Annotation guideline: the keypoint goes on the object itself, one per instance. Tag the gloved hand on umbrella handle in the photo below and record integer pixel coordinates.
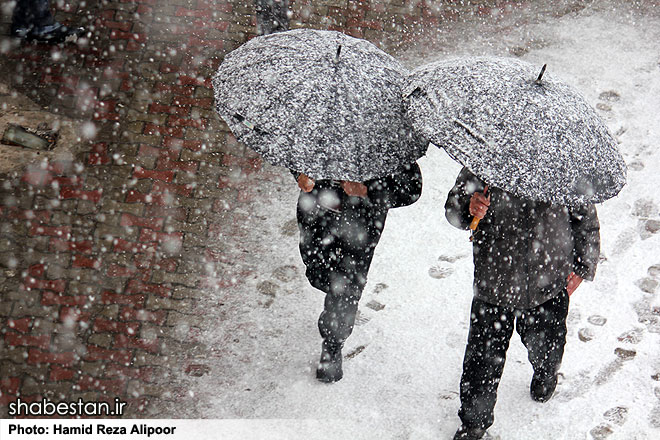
(479, 204)
(305, 182)
(355, 189)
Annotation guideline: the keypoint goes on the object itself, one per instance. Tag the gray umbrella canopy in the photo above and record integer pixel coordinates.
(536, 138)
(318, 102)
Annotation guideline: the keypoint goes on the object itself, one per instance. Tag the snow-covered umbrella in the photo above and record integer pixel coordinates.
(318, 102)
(518, 128)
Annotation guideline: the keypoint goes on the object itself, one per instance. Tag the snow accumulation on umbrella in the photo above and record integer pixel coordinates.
(318, 102)
(538, 139)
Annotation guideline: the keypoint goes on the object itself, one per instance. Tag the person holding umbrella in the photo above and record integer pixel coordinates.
(536, 159)
(328, 107)
(529, 257)
(340, 223)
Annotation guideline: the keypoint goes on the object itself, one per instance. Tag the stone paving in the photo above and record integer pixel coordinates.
(108, 257)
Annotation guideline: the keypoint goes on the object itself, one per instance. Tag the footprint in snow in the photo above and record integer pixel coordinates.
(285, 273)
(574, 386)
(444, 267)
(624, 241)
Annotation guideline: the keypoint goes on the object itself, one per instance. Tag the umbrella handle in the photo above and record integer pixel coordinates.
(475, 221)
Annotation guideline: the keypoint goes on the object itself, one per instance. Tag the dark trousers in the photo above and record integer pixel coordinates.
(542, 331)
(31, 13)
(339, 310)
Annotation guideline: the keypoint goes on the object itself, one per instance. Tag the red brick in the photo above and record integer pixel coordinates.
(41, 357)
(136, 196)
(109, 297)
(49, 298)
(162, 188)
(131, 314)
(58, 373)
(112, 386)
(172, 142)
(115, 270)
(128, 246)
(147, 235)
(57, 245)
(186, 80)
(68, 181)
(136, 286)
(71, 81)
(84, 262)
(10, 384)
(95, 353)
(71, 193)
(53, 231)
(22, 325)
(166, 264)
(123, 26)
(144, 10)
(20, 340)
(150, 345)
(143, 222)
(169, 109)
(189, 167)
(199, 123)
(73, 314)
(116, 34)
(107, 325)
(153, 129)
(55, 285)
(37, 270)
(171, 88)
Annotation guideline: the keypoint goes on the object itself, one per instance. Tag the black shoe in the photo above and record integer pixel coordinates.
(329, 368)
(541, 389)
(465, 433)
(53, 34)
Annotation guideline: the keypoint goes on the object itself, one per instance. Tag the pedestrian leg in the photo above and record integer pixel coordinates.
(490, 331)
(543, 332)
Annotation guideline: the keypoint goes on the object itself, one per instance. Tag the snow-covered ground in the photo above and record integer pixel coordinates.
(404, 358)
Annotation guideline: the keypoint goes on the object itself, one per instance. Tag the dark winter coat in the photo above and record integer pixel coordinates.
(524, 250)
(338, 233)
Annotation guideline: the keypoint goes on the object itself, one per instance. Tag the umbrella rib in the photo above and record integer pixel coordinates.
(470, 132)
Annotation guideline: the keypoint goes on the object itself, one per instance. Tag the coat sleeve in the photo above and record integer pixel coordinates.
(397, 190)
(457, 206)
(586, 241)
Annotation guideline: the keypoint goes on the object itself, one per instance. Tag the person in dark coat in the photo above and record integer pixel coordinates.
(529, 257)
(340, 224)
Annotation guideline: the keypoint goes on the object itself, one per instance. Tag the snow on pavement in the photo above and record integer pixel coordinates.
(404, 358)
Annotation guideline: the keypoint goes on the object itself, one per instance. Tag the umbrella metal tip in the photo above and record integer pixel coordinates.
(538, 80)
